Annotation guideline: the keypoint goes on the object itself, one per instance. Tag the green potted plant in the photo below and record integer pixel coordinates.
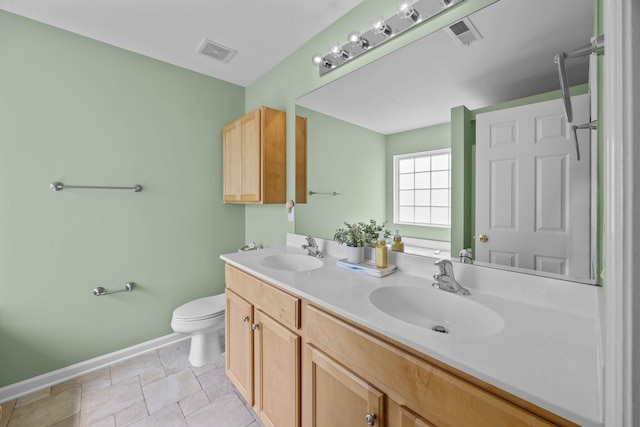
(371, 231)
(353, 236)
(357, 235)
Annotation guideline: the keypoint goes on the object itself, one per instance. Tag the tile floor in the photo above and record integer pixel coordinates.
(158, 388)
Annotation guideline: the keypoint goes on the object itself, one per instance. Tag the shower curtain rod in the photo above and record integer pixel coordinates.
(595, 47)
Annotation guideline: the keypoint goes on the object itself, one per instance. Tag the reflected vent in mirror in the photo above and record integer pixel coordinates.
(216, 51)
(463, 32)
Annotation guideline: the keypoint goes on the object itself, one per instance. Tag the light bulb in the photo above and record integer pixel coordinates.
(356, 38)
(317, 59)
(337, 51)
(378, 26)
(320, 61)
(407, 11)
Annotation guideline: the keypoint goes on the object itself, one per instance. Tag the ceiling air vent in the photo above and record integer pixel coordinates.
(463, 32)
(216, 51)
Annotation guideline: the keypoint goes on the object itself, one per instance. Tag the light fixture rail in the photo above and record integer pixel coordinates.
(410, 14)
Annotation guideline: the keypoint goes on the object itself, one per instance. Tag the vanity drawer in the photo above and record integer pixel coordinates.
(435, 394)
(271, 300)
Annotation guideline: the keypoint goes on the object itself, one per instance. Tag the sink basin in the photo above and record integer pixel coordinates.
(437, 310)
(291, 262)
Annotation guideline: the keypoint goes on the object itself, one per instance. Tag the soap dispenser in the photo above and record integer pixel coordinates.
(397, 244)
(381, 252)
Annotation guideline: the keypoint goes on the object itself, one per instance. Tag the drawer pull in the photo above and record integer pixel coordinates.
(370, 418)
(254, 326)
(245, 318)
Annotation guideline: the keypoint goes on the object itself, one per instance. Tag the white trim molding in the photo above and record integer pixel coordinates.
(23, 388)
(622, 198)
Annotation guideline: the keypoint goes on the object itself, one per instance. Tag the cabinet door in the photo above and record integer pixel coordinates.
(239, 345)
(277, 368)
(231, 162)
(250, 169)
(341, 399)
(409, 419)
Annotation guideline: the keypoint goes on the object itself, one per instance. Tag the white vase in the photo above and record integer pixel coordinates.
(355, 255)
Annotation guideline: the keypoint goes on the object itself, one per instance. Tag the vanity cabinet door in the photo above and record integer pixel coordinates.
(339, 398)
(239, 344)
(277, 370)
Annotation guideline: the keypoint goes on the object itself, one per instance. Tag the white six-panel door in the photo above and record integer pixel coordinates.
(532, 194)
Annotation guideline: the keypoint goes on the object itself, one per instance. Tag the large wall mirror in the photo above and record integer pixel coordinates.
(403, 103)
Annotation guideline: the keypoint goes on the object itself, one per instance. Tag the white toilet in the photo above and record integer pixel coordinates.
(204, 319)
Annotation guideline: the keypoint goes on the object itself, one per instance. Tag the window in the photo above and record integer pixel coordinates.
(422, 188)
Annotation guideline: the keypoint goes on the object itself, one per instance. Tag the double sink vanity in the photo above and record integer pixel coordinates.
(311, 344)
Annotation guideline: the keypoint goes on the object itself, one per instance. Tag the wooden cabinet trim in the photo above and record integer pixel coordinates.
(280, 305)
(408, 418)
(301, 159)
(274, 155)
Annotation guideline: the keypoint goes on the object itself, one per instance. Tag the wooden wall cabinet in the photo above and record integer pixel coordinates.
(255, 158)
(263, 348)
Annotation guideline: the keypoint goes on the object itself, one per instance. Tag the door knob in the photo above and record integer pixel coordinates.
(483, 238)
(370, 418)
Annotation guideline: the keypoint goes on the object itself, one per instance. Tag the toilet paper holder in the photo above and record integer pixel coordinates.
(102, 291)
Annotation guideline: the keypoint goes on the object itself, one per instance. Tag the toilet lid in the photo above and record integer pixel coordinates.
(201, 308)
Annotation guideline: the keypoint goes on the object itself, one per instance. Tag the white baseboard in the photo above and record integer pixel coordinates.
(22, 388)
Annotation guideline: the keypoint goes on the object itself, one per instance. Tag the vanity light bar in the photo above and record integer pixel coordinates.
(409, 16)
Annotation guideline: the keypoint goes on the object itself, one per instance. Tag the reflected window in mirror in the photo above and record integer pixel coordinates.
(422, 188)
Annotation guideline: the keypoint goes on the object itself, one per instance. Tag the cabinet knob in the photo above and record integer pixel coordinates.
(370, 418)
(254, 326)
(245, 318)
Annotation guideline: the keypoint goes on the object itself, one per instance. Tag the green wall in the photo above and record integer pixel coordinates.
(86, 113)
(296, 76)
(347, 159)
(423, 139)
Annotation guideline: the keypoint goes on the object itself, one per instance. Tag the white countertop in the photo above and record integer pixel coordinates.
(548, 352)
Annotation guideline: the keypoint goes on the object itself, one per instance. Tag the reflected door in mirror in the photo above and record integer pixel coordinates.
(532, 194)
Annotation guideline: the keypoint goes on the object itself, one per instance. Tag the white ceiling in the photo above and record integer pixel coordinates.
(263, 32)
(411, 88)
(418, 85)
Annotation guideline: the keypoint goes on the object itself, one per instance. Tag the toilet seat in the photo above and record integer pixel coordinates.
(201, 309)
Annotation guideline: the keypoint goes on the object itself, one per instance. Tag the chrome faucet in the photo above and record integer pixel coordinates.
(445, 280)
(466, 256)
(312, 248)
